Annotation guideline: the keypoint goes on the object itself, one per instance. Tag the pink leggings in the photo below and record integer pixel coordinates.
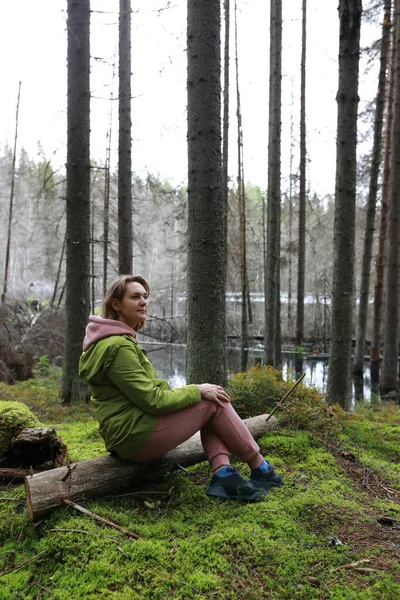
(222, 433)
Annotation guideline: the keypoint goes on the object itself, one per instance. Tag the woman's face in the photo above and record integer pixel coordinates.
(132, 309)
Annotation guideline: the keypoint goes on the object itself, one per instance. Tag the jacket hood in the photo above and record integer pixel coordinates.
(100, 328)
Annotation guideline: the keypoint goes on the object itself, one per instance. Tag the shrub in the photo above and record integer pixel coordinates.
(259, 390)
(43, 367)
(256, 390)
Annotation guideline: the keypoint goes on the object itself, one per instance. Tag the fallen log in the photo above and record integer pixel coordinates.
(107, 474)
(14, 475)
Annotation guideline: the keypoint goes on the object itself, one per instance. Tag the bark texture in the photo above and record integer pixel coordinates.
(358, 365)
(272, 263)
(125, 142)
(339, 378)
(206, 241)
(390, 361)
(105, 475)
(77, 303)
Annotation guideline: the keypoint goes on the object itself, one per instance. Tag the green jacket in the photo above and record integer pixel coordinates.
(126, 393)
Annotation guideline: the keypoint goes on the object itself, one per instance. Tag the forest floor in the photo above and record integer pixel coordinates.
(331, 532)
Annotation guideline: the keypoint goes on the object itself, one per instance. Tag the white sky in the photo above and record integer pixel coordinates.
(33, 46)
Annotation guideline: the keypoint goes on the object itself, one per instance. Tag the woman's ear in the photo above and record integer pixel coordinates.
(115, 304)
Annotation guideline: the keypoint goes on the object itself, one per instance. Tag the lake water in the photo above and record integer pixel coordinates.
(169, 360)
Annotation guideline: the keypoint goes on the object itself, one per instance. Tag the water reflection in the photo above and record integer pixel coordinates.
(170, 363)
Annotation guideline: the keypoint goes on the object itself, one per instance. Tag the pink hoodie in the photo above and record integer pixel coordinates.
(100, 328)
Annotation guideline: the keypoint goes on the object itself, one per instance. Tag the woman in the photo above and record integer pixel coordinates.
(141, 417)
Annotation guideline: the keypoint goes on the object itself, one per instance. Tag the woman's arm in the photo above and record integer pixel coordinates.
(130, 377)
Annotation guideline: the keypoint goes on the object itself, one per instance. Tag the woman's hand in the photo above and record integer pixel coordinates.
(213, 393)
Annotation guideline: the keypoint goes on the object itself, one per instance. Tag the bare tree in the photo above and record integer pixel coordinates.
(107, 178)
(359, 352)
(292, 176)
(125, 142)
(244, 336)
(345, 194)
(77, 302)
(206, 254)
(301, 268)
(10, 209)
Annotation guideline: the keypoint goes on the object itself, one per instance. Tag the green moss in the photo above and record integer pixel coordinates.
(14, 416)
(374, 437)
(82, 439)
(195, 547)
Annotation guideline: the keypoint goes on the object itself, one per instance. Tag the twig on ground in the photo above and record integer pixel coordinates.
(23, 564)
(70, 531)
(93, 515)
(169, 497)
(183, 468)
(364, 570)
(19, 500)
(138, 494)
(354, 565)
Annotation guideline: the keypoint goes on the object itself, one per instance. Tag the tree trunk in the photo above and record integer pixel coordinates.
(339, 379)
(359, 352)
(271, 279)
(125, 142)
(206, 252)
(225, 137)
(389, 380)
(105, 475)
(381, 260)
(301, 269)
(78, 198)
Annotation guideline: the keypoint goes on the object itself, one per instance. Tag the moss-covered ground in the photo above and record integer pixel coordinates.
(331, 532)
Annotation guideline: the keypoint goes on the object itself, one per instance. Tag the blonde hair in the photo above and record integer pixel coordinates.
(116, 290)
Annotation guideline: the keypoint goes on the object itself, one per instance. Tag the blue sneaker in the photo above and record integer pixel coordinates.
(265, 480)
(233, 486)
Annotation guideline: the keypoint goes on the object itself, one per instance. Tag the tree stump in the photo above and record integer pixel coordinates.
(36, 446)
